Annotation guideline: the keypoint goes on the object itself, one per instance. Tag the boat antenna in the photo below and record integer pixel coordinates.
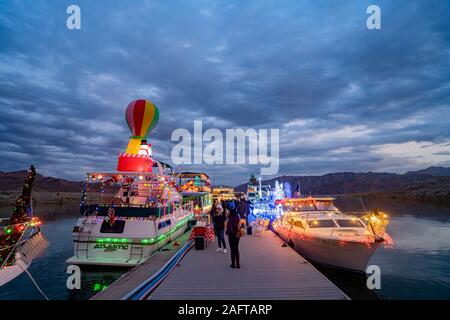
(362, 203)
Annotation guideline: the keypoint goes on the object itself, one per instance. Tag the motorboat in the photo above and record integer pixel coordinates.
(130, 216)
(21, 244)
(323, 234)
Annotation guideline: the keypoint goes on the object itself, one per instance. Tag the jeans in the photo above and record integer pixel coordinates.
(221, 238)
(234, 249)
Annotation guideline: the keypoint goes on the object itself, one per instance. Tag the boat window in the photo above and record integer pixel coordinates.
(300, 207)
(325, 206)
(164, 224)
(345, 223)
(321, 224)
(295, 222)
(117, 227)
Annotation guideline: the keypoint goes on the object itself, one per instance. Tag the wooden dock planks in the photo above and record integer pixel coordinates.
(268, 271)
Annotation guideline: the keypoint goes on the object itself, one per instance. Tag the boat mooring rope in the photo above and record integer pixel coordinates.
(35, 283)
(149, 285)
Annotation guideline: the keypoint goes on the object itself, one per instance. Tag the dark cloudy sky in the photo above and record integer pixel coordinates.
(345, 98)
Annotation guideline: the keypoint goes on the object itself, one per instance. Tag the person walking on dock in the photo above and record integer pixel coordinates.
(219, 220)
(234, 235)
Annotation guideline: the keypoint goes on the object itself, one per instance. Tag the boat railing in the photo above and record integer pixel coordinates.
(332, 231)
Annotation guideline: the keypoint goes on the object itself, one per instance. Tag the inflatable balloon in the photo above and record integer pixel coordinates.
(141, 116)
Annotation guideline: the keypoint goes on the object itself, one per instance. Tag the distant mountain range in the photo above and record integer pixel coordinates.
(434, 171)
(12, 181)
(436, 191)
(426, 182)
(351, 182)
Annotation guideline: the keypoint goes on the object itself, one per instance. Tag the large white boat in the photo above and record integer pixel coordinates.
(131, 216)
(323, 234)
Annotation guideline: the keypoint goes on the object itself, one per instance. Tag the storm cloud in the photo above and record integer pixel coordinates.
(345, 98)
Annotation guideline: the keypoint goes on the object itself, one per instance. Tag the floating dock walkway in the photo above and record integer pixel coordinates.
(268, 271)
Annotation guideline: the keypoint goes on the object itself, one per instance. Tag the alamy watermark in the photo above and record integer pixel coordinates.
(373, 22)
(373, 277)
(213, 147)
(74, 280)
(73, 21)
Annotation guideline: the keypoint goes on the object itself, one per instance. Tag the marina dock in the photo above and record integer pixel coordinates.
(269, 270)
(137, 275)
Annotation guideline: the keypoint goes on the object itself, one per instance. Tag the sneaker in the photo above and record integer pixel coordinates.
(219, 249)
(233, 266)
(238, 266)
(224, 250)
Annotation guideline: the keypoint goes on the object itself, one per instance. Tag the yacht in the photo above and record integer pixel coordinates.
(129, 214)
(323, 234)
(129, 217)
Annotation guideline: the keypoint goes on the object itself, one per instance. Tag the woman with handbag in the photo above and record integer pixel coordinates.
(234, 233)
(219, 219)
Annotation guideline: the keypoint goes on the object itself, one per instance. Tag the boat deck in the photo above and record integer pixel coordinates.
(269, 270)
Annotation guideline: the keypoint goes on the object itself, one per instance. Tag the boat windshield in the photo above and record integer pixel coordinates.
(309, 206)
(347, 223)
(321, 223)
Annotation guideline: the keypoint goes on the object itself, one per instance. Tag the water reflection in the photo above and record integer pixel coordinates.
(94, 280)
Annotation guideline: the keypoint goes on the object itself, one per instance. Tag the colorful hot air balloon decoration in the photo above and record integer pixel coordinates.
(142, 116)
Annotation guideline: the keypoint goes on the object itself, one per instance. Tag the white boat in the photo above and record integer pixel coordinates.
(31, 244)
(124, 229)
(323, 234)
(196, 186)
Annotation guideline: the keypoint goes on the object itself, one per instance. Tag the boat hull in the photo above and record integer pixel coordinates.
(353, 256)
(91, 252)
(32, 248)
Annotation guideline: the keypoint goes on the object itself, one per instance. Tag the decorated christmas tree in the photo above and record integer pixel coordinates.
(22, 209)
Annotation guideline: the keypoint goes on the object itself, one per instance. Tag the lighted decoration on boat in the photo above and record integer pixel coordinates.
(287, 190)
(262, 199)
(279, 191)
(21, 240)
(142, 116)
(377, 221)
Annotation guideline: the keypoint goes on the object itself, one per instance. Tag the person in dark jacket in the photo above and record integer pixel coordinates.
(242, 208)
(233, 238)
(219, 218)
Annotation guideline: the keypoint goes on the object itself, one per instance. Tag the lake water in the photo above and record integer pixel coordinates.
(415, 268)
